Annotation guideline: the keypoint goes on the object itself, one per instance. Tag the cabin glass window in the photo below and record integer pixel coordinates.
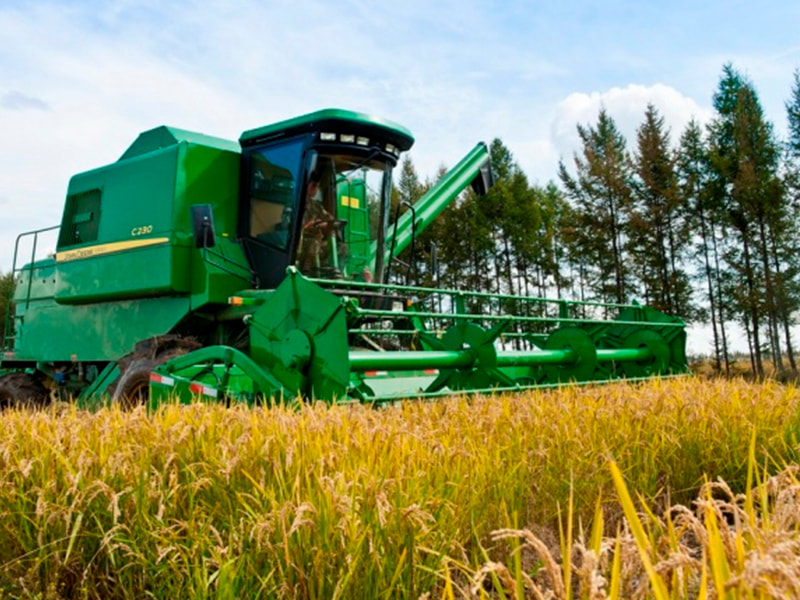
(274, 177)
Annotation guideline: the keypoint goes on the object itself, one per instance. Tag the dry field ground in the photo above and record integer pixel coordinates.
(686, 488)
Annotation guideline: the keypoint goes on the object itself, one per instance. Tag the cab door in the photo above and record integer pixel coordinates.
(271, 184)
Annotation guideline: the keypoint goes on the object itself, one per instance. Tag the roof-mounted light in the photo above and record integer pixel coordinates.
(327, 137)
(347, 138)
(362, 141)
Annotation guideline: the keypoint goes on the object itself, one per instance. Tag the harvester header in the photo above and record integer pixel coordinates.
(267, 269)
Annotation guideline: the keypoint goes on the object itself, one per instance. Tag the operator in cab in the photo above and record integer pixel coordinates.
(322, 250)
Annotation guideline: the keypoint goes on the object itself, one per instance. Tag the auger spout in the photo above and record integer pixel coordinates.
(473, 169)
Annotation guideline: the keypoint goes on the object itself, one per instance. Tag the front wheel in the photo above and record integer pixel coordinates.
(133, 387)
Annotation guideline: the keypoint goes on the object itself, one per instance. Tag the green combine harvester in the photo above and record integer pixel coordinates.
(203, 269)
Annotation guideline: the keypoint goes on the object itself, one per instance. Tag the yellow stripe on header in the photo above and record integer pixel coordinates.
(99, 249)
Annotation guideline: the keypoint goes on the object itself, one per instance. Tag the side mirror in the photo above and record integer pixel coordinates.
(203, 226)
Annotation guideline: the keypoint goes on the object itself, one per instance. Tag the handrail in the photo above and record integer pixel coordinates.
(8, 334)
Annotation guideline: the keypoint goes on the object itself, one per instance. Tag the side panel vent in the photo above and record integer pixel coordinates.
(81, 218)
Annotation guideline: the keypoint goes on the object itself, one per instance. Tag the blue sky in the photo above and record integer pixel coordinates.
(79, 79)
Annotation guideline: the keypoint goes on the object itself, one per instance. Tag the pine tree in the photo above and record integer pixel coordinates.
(409, 187)
(695, 192)
(758, 190)
(787, 264)
(601, 194)
(412, 264)
(793, 114)
(550, 251)
(792, 147)
(737, 251)
(744, 159)
(498, 206)
(657, 224)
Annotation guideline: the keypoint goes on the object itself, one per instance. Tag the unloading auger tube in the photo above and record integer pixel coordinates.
(314, 338)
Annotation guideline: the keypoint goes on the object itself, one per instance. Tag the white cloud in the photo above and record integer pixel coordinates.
(15, 100)
(541, 136)
(627, 107)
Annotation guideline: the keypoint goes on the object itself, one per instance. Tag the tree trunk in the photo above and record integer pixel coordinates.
(752, 307)
(782, 310)
(772, 313)
(710, 284)
(720, 305)
(750, 348)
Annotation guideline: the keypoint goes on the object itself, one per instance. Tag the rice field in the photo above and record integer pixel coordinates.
(684, 488)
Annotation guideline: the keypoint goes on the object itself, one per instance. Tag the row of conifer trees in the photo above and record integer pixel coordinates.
(701, 223)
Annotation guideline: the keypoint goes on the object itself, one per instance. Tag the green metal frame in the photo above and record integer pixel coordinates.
(302, 334)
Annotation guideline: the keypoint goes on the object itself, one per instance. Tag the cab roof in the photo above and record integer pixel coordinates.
(332, 120)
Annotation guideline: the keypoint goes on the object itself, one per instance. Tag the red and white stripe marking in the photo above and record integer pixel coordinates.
(204, 390)
(383, 373)
(161, 379)
(195, 388)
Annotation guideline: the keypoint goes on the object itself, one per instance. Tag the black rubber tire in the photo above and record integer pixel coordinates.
(132, 389)
(133, 386)
(22, 389)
